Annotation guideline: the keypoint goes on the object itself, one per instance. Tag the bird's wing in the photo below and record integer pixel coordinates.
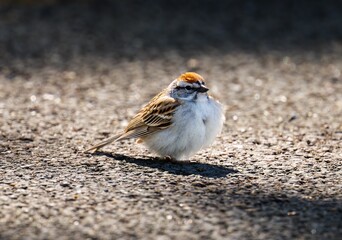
(156, 115)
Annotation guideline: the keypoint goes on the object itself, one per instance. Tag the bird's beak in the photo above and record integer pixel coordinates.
(202, 89)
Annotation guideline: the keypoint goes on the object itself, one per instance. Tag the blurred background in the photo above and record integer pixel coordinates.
(58, 32)
(268, 61)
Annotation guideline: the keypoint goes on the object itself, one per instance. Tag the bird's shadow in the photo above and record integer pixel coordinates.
(175, 167)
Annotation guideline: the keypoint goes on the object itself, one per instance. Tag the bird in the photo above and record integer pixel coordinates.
(178, 122)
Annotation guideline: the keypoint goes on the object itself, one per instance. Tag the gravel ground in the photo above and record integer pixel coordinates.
(72, 74)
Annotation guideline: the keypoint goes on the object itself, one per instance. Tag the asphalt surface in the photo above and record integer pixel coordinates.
(72, 74)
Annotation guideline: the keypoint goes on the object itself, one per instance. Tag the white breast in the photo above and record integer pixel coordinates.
(195, 125)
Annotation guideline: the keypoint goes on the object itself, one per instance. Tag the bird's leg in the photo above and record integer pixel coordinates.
(170, 159)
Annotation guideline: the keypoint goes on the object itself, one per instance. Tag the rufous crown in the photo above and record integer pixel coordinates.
(190, 77)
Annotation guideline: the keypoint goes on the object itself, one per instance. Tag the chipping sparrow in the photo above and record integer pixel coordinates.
(177, 122)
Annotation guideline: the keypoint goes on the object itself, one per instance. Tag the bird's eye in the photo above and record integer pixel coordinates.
(188, 88)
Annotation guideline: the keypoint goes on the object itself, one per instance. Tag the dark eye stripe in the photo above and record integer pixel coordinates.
(187, 87)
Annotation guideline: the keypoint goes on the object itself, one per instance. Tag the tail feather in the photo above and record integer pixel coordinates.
(103, 143)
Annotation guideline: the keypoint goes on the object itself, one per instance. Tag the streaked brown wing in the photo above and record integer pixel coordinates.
(160, 113)
(156, 115)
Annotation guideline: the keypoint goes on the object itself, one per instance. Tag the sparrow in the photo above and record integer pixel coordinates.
(178, 122)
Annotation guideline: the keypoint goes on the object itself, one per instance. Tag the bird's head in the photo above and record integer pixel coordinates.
(188, 86)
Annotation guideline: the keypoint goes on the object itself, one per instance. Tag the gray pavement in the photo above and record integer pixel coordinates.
(74, 73)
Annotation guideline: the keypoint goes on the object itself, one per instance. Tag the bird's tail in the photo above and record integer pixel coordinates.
(103, 143)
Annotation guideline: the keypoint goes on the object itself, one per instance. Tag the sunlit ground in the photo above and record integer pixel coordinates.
(72, 74)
